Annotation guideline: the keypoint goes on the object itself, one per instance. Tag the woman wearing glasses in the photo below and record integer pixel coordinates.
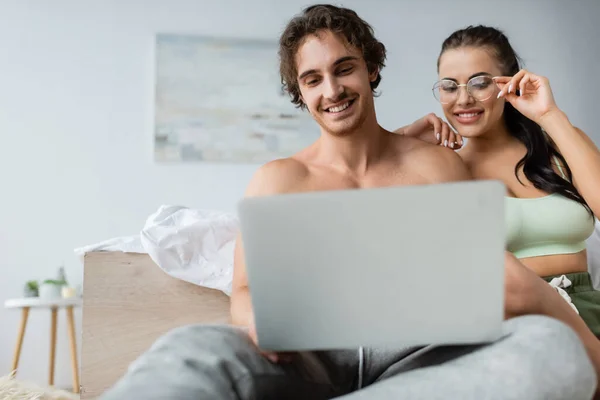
(517, 134)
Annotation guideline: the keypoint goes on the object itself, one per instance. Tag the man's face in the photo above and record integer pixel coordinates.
(334, 83)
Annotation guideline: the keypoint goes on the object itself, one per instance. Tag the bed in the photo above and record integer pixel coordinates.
(128, 302)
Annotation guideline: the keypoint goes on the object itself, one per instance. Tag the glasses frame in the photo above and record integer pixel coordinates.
(466, 86)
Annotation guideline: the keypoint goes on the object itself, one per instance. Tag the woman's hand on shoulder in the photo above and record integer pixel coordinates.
(433, 129)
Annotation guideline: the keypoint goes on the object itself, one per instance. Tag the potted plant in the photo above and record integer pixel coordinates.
(31, 289)
(51, 289)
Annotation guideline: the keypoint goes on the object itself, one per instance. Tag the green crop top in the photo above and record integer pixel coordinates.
(546, 225)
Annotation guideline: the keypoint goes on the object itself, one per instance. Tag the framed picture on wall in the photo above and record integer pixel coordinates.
(220, 100)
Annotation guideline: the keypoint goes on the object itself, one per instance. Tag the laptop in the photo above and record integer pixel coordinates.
(386, 267)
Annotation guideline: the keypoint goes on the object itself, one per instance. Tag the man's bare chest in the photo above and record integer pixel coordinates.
(383, 178)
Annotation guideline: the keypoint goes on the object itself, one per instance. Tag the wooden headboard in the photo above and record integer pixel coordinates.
(128, 302)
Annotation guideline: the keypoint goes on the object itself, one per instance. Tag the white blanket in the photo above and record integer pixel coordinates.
(193, 245)
(593, 256)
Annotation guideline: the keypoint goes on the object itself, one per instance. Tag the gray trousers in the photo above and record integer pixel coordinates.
(537, 358)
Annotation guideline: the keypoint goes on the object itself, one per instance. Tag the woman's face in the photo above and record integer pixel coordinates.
(474, 109)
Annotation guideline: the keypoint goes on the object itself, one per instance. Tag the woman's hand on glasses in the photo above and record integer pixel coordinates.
(433, 129)
(529, 93)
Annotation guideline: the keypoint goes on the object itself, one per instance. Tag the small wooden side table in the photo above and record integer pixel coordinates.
(25, 304)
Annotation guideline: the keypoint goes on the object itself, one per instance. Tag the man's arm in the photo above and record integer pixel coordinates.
(240, 304)
(276, 177)
(454, 168)
(443, 165)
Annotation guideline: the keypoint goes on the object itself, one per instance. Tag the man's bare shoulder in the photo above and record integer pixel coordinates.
(278, 176)
(436, 163)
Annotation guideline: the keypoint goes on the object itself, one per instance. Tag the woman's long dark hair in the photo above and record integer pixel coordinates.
(537, 163)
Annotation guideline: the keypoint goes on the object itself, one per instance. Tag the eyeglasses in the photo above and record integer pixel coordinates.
(480, 88)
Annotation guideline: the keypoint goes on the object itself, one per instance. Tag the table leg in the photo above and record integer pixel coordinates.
(73, 341)
(17, 355)
(52, 346)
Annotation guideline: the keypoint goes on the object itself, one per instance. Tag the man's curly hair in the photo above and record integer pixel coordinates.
(341, 21)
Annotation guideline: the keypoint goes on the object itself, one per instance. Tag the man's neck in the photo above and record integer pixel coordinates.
(356, 152)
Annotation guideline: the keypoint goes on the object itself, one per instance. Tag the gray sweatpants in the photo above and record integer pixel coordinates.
(537, 358)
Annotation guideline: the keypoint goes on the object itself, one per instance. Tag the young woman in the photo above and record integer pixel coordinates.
(517, 134)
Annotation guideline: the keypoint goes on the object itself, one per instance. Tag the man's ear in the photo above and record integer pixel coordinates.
(373, 74)
(304, 103)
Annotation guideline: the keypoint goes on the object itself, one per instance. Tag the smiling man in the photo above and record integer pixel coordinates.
(330, 65)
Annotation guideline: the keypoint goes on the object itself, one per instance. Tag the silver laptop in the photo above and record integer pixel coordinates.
(389, 267)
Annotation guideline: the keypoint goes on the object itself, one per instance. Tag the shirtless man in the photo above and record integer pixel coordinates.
(330, 64)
